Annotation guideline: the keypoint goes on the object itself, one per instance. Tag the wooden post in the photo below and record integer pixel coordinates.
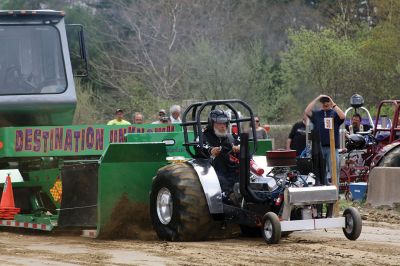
(329, 124)
(333, 167)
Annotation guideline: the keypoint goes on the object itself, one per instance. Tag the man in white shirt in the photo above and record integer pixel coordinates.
(162, 117)
(175, 112)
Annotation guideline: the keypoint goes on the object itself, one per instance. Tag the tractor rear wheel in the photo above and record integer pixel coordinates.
(391, 159)
(178, 207)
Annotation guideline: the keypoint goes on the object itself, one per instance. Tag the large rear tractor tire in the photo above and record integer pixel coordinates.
(353, 225)
(178, 207)
(391, 159)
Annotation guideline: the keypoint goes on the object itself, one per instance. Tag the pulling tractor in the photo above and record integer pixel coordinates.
(98, 178)
(186, 197)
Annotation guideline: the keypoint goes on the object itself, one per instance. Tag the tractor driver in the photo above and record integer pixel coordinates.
(356, 125)
(221, 148)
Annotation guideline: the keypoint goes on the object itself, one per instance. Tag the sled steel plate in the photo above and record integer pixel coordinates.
(313, 224)
(311, 195)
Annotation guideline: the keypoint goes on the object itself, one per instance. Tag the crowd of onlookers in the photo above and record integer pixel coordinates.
(138, 118)
(296, 140)
(174, 116)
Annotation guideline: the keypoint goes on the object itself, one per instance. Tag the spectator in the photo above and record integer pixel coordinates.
(138, 118)
(328, 109)
(119, 119)
(267, 128)
(261, 133)
(165, 120)
(297, 137)
(356, 125)
(175, 112)
(162, 117)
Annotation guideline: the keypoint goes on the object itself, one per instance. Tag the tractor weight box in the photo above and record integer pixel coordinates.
(281, 158)
(358, 191)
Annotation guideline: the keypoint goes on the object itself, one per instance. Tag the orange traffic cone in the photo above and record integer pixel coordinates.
(7, 206)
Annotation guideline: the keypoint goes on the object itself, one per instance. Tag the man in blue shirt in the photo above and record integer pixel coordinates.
(328, 109)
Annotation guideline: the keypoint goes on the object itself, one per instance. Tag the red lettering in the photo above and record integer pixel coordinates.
(83, 140)
(28, 139)
(51, 139)
(99, 138)
(45, 136)
(58, 138)
(77, 135)
(68, 140)
(115, 137)
(89, 138)
(19, 140)
(36, 139)
(121, 135)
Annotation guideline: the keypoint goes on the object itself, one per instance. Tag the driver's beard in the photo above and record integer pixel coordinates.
(221, 133)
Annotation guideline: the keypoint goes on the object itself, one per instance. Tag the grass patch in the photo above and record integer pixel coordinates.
(344, 204)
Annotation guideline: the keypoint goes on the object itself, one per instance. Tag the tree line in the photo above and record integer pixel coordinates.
(275, 55)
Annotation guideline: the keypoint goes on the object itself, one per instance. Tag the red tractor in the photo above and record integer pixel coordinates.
(379, 146)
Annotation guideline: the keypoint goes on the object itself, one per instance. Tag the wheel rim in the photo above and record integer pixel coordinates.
(164, 206)
(268, 229)
(349, 223)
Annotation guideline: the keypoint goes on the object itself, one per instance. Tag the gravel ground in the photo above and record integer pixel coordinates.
(379, 244)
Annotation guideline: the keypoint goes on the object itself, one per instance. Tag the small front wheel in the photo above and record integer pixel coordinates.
(271, 229)
(353, 224)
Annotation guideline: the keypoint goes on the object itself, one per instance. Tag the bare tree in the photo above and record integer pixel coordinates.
(142, 36)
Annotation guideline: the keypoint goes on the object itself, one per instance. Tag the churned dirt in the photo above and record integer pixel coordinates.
(379, 244)
(381, 214)
(129, 220)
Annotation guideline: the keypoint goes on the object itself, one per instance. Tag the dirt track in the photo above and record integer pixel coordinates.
(379, 244)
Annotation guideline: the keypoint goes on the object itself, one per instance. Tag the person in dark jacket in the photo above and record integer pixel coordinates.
(328, 109)
(297, 138)
(220, 147)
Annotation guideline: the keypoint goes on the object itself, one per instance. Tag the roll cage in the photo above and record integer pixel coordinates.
(191, 121)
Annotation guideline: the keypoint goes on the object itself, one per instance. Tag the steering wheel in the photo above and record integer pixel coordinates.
(54, 81)
(18, 82)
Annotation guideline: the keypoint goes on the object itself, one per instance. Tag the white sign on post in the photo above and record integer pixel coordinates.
(328, 122)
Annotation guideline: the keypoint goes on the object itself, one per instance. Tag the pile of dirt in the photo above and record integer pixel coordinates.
(129, 220)
(384, 214)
